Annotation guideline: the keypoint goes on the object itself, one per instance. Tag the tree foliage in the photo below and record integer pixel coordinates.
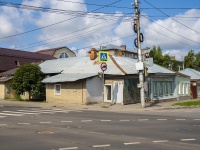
(27, 78)
(192, 60)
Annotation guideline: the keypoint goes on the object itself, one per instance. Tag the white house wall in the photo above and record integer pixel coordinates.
(94, 89)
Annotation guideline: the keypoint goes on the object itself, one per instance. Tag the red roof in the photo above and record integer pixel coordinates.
(9, 57)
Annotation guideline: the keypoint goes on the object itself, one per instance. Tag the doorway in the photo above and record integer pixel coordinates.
(108, 93)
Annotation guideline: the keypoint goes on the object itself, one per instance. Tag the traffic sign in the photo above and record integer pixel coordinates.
(103, 66)
(103, 56)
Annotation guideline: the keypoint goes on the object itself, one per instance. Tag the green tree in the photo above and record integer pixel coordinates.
(156, 54)
(197, 61)
(28, 78)
(189, 59)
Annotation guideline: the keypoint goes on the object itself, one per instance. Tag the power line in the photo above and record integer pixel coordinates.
(94, 4)
(171, 31)
(170, 8)
(64, 39)
(56, 22)
(172, 18)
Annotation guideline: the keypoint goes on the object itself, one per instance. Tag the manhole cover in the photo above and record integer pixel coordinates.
(46, 132)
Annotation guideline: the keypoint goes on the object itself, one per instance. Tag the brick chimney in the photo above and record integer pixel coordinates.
(93, 54)
(123, 47)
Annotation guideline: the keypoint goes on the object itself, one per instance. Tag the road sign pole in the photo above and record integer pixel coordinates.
(103, 87)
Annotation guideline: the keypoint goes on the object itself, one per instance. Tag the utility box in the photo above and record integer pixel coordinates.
(139, 66)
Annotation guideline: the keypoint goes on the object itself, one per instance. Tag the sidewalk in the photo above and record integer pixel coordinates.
(96, 107)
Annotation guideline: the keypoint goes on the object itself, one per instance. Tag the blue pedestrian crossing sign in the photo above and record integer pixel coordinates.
(103, 56)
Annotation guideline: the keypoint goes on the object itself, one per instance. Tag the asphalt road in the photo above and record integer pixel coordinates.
(40, 129)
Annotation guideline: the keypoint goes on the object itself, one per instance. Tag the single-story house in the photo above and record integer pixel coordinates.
(76, 80)
(194, 81)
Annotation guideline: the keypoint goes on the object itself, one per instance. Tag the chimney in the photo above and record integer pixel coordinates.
(93, 54)
(123, 47)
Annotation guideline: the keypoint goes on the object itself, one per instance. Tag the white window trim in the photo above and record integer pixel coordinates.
(105, 93)
(55, 92)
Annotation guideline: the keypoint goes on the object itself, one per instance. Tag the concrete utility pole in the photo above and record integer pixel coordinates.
(137, 43)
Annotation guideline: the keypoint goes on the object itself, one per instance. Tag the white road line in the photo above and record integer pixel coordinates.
(66, 121)
(160, 141)
(2, 116)
(132, 143)
(161, 119)
(86, 120)
(105, 145)
(105, 120)
(143, 119)
(68, 148)
(3, 124)
(196, 119)
(23, 123)
(124, 120)
(8, 114)
(180, 119)
(14, 112)
(187, 139)
(46, 122)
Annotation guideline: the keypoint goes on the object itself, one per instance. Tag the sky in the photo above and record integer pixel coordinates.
(174, 25)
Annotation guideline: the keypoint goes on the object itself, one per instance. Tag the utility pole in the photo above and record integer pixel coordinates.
(137, 43)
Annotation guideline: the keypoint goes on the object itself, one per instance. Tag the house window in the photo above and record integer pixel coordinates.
(154, 89)
(63, 55)
(57, 89)
(187, 88)
(183, 88)
(179, 88)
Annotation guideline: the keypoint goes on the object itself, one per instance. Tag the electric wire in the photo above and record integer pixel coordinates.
(36, 29)
(172, 31)
(172, 18)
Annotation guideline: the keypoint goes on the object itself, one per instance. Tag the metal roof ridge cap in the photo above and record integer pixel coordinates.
(117, 65)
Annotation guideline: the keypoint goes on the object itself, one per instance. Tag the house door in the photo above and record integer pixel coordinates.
(194, 90)
(108, 93)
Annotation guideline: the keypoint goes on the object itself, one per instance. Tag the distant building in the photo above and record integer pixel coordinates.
(118, 51)
(11, 58)
(59, 52)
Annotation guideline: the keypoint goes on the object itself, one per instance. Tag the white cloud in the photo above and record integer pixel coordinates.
(179, 54)
(11, 22)
(166, 32)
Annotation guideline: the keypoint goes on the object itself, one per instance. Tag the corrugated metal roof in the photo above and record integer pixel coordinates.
(194, 74)
(109, 46)
(63, 77)
(76, 68)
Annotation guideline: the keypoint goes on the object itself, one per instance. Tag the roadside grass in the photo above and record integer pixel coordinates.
(189, 103)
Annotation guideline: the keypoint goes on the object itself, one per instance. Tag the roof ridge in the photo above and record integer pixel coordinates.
(116, 64)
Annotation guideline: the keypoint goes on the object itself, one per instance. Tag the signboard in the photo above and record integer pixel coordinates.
(103, 66)
(103, 56)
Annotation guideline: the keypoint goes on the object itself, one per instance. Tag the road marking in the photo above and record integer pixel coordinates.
(132, 143)
(3, 124)
(11, 114)
(161, 119)
(86, 120)
(46, 122)
(187, 139)
(105, 120)
(2, 116)
(124, 120)
(180, 119)
(68, 148)
(14, 112)
(160, 141)
(66, 121)
(105, 145)
(143, 119)
(23, 123)
(196, 119)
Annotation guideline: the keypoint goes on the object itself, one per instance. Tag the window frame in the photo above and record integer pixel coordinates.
(55, 89)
